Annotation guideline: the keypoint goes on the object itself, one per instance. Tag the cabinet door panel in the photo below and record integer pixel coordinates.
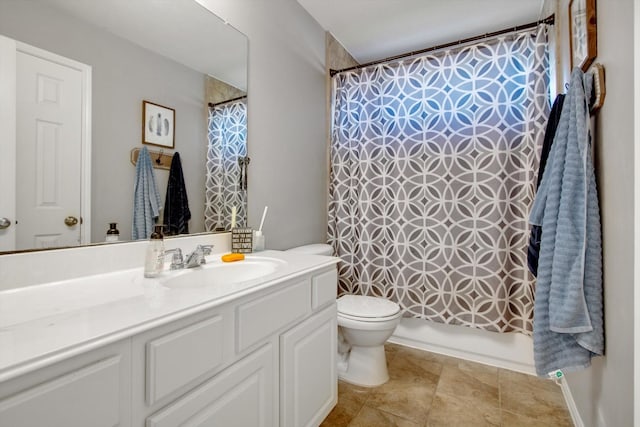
(324, 288)
(86, 397)
(308, 381)
(260, 318)
(241, 395)
(182, 356)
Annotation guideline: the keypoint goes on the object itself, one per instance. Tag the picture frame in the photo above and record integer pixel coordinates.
(582, 33)
(158, 125)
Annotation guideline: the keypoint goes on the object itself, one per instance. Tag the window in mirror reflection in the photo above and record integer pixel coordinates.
(226, 165)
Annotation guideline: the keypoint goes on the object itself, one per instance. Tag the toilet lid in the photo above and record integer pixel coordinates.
(366, 306)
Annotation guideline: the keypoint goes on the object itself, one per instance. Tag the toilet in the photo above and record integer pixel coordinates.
(364, 325)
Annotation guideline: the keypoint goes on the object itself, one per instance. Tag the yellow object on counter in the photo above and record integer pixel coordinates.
(232, 257)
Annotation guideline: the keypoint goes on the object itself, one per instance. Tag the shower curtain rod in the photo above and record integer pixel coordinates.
(550, 20)
(211, 104)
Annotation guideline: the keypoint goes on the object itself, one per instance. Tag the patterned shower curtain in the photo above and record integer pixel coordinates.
(433, 163)
(227, 143)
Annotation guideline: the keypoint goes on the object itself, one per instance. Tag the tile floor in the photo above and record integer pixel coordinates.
(430, 390)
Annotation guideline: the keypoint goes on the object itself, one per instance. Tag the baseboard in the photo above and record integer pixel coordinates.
(571, 404)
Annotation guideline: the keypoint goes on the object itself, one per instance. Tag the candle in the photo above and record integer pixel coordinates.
(233, 217)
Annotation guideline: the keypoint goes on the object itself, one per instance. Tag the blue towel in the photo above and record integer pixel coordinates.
(176, 204)
(568, 321)
(146, 198)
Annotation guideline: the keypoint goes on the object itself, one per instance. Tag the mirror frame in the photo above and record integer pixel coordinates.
(582, 33)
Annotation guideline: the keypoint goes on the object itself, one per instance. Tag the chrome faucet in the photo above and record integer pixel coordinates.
(177, 262)
(196, 258)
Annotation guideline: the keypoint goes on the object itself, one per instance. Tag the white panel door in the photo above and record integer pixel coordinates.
(7, 143)
(48, 152)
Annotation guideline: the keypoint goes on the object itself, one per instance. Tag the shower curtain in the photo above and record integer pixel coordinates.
(227, 143)
(433, 164)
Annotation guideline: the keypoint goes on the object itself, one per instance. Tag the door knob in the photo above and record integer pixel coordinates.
(70, 221)
(4, 223)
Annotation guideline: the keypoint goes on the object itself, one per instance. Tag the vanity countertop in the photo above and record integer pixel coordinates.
(43, 324)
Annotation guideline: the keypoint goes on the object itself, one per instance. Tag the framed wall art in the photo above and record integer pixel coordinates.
(158, 125)
(582, 33)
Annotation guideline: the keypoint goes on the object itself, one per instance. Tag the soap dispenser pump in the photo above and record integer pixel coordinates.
(154, 260)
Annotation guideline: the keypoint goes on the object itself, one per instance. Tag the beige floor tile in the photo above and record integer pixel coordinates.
(372, 417)
(338, 417)
(449, 392)
(407, 399)
(471, 382)
(414, 366)
(531, 396)
(390, 351)
(450, 411)
(412, 384)
(357, 392)
(351, 399)
(433, 357)
(516, 420)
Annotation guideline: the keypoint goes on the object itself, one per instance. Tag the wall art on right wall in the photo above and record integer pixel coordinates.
(582, 33)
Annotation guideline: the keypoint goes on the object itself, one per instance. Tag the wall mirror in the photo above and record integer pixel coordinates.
(583, 33)
(174, 53)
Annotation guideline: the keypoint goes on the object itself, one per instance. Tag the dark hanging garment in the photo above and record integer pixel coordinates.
(176, 205)
(533, 252)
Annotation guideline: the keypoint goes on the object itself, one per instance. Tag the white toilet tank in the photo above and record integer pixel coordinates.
(314, 249)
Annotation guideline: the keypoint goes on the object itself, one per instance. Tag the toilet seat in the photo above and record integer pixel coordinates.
(368, 319)
(367, 308)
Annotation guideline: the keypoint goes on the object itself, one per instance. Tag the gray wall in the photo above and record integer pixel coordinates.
(286, 108)
(286, 144)
(123, 75)
(604, 393)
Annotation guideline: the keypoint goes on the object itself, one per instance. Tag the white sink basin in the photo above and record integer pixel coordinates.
(221, 273)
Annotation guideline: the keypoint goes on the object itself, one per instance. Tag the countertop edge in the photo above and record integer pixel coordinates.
(13, 371)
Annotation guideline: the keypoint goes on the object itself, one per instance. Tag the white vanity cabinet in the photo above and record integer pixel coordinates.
(267, 359)
(264, 359)
(93, 389)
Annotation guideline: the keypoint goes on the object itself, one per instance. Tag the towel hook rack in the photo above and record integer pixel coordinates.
(599, 88)
(162, 159)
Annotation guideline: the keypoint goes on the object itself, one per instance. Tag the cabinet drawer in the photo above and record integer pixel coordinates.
(262, 317)
(324, 289)
(89, 396)
(241, 395)
(179, 357)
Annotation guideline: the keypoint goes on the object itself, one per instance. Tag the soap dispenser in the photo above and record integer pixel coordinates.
(113, 234)
(154, 260)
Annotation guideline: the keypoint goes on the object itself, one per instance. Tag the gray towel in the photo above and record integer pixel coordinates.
(568, 321)
(146, 198)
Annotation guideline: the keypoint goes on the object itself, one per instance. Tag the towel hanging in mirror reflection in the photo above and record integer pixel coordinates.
(243, 162)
